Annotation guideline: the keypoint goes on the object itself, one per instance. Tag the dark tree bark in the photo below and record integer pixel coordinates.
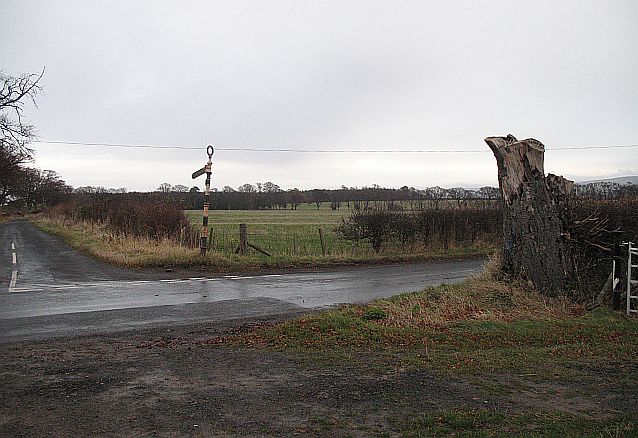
(536, 216)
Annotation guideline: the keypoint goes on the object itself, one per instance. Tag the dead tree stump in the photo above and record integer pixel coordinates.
(536, 216)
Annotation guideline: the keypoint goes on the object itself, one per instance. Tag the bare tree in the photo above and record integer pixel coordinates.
(180, 188)
(165, 188)
(246, 188)
(15, 132)
(436, 194)
(295, 197)
(318, 196)
(41, 188)
(248, 191)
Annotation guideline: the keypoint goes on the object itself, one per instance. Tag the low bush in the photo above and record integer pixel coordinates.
(151, 216)
(431, 228)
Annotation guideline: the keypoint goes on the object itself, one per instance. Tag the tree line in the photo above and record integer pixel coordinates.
(21, 184)
(269, 196)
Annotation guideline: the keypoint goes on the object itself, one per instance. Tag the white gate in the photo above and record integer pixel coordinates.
(632, 282)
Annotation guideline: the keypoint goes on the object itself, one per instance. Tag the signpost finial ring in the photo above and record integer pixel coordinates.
(210, 151)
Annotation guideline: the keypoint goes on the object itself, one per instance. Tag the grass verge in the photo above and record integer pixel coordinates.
(481, 326)
(139, 253)
(505, 339)
(8, 217)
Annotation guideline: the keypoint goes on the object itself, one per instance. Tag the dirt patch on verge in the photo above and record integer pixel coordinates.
(171, 383)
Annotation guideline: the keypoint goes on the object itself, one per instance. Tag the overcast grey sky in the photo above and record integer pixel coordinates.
(328, 75)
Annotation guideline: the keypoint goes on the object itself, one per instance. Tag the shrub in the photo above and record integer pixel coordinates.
(373, 226)
(150, 216)
(444, 227)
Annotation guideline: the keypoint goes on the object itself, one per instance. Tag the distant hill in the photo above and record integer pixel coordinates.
(619, 180)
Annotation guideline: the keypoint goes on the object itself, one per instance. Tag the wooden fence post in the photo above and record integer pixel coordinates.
(324, 250)
(243, 239)
(210, 242)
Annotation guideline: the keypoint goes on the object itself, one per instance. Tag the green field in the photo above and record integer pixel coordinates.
(281, 232)
(295, 233)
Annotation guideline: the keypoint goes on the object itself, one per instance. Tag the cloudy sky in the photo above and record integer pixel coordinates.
(355, 75)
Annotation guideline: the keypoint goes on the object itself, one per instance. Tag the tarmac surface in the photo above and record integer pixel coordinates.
(48, 289)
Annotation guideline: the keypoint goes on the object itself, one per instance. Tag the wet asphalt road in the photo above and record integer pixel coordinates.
(47, 289)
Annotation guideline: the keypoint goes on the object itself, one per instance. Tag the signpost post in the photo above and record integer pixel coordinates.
(203, 239)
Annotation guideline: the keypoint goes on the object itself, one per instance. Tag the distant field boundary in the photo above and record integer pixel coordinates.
(143, 253)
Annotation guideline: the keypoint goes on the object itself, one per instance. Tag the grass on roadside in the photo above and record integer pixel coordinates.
(102, 244)
(479, 326)
(7, 217)
(502, 337)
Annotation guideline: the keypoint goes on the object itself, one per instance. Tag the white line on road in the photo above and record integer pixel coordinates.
(14, 271)
(37, 287)
(25, 289)
(14, 278)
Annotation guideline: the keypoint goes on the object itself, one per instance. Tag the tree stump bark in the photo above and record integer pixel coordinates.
(536, 216)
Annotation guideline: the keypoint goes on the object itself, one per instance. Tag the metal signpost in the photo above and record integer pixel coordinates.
(205, 170)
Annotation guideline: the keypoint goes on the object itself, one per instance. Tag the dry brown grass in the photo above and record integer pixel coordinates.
(108, 246)
(481, 298)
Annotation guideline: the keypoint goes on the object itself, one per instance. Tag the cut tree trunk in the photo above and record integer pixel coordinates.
(536, 216)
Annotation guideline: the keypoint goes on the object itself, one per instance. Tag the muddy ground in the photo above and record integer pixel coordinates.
(172, 382)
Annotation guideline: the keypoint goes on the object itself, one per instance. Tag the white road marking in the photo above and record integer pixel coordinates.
(14, 271)
(25, 289)
(37, 287)
(14, 278)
